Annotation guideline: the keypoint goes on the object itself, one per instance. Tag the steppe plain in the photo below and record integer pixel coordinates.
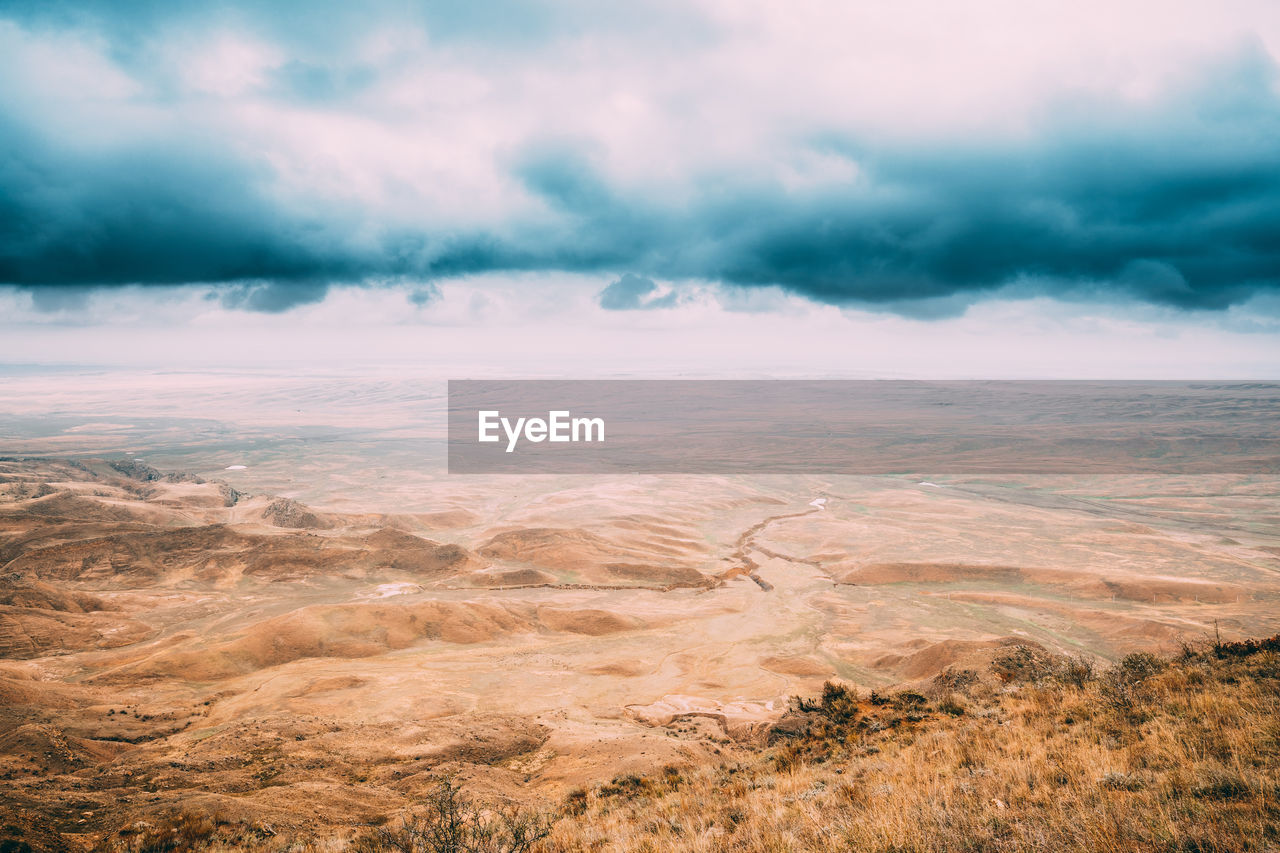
(310, 640)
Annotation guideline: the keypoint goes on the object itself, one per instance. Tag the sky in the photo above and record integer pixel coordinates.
(710, 187)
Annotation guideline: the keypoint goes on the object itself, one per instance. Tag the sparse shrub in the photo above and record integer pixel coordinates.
(909, 700)
(629, 786)
(1122, 696)
(839, 703)
(804, 705)
(183, 834)
(1246, 648)
(1139, 666)
(1125, 687)
(187, 832)
(1191, 650)
(953, 680)
(1022, 664)
(1076, 670)
(671, 776)
(575, 802)
(452, 823)
(790, 756)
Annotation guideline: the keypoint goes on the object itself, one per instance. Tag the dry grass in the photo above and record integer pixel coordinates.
(1038, 754)
(1154, 755)
(189, 832)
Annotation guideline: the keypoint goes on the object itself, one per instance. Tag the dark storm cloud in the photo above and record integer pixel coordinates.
(1179, 208)
(273, 297)
(158, 214)
(424, 294)
(1176, 204)
(173, 214)
(633, 292)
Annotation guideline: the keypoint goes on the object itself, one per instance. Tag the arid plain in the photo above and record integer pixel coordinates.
(261, 597)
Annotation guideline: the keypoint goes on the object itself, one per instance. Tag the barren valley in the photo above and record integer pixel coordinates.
(311, 653)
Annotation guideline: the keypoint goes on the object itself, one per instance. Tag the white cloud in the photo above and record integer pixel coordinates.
(430, 134)
(550, 325)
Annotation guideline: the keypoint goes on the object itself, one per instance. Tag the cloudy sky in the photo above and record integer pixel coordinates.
(862, 188)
